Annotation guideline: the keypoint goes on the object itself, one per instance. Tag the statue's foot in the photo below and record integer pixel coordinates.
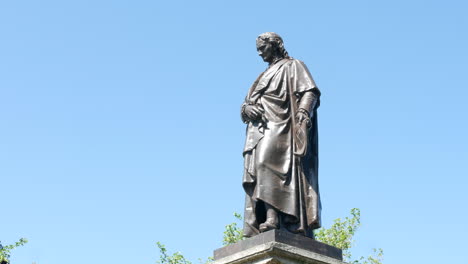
(267, 226)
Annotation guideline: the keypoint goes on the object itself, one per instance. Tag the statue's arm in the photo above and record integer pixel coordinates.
(306, 105)
(308, 101)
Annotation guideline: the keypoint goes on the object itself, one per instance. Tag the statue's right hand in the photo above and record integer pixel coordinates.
(253, 112)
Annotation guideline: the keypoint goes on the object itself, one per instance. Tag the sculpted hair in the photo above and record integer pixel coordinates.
(276, 40)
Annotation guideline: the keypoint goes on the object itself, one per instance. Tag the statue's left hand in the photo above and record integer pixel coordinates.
(301, 117)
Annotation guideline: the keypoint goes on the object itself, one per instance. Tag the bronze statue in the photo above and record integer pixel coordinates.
(281, 148)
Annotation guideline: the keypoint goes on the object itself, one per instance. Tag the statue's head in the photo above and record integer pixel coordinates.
(270, 47)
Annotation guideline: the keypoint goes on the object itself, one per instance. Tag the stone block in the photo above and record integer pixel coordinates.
(278, 247)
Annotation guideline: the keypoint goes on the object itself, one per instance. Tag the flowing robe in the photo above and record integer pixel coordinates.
(274, 173)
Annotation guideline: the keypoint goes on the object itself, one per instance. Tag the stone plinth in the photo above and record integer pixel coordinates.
(278, 247)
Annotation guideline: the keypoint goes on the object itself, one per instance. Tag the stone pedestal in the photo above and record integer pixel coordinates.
(278, 247)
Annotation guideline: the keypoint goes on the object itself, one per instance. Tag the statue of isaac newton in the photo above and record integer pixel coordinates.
(281, 148)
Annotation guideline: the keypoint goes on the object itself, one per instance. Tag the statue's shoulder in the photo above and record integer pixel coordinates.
(295, 64)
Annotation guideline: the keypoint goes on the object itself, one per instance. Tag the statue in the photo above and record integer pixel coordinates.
(281, 148)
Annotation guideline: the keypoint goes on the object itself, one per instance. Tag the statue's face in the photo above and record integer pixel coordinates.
(266, 51)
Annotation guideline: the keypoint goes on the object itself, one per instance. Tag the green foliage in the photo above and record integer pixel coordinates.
(233, 233)
(377, 259)
(164, 258)
(6, 250)
(175, 258)
(340, 235)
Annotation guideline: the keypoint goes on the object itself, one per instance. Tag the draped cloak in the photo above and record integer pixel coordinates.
(273, 174)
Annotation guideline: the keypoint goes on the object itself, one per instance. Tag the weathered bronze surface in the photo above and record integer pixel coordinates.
(281, 148)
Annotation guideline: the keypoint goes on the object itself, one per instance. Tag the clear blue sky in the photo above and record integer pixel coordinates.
(120, 127)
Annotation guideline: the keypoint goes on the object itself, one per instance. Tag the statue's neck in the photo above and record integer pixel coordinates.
(275, 60)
